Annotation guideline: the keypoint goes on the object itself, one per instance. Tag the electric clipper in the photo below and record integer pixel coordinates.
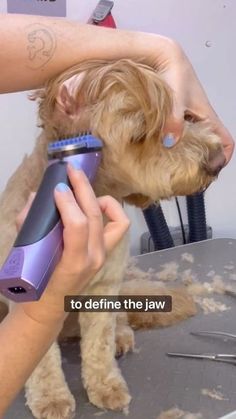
(38, 246)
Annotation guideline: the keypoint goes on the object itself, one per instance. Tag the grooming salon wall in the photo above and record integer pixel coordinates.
(206, 31)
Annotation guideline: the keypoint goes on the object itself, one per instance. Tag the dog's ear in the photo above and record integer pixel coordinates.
(138, 200)
(66, 101)
(67, 98)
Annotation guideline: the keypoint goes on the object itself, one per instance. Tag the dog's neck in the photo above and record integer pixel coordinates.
(106, 184)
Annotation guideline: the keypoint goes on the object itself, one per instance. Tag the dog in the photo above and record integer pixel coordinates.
(126, 104)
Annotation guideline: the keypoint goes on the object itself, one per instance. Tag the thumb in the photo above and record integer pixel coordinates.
(174, 126)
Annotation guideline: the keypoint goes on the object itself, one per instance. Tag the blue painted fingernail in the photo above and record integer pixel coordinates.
(75, 164)
(62, 187)
(169, 141)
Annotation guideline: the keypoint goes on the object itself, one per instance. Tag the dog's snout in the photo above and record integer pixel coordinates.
(216, 162)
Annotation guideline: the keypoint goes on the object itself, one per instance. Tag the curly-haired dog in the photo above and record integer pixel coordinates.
(126, 105)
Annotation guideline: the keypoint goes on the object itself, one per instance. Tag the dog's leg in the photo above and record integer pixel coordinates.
(101, 375)
(47, 392)
(124, 335)
(102, 378)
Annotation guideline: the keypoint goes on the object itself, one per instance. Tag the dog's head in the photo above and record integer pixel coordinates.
(126, 104)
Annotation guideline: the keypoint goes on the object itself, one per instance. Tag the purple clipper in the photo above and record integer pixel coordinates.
(38, 246)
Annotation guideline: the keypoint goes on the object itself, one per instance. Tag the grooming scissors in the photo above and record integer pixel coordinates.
(226, 358)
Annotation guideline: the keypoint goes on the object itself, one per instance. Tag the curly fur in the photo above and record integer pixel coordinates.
(126, 104)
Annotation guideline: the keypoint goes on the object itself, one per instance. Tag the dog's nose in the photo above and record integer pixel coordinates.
(216, 162)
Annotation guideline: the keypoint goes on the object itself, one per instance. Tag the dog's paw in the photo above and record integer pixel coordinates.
(124, 340)
(54, 407)
(111, 393)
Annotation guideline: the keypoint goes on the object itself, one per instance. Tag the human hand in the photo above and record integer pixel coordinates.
(86, 243)
(190, 99)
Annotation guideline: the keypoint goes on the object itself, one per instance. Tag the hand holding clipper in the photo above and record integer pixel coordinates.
(38, 246)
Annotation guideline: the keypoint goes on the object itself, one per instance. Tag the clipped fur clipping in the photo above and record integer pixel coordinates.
(213, 394)
(177, 413)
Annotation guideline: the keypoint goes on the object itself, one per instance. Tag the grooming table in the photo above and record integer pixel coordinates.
(156, 382)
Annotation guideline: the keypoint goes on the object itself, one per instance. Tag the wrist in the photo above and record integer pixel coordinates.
(157, 50)
(44, 311)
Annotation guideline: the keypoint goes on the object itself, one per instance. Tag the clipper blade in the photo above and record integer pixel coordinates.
(83, 142)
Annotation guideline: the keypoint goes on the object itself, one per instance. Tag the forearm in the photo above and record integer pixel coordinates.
(24, 342)
(34, 49)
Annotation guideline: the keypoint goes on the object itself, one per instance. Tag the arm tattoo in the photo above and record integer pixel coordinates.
(41, 45)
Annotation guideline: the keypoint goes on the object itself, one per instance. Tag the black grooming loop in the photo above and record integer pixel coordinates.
(159, 230)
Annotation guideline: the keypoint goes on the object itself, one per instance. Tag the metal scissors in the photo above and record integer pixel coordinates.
(227, 358)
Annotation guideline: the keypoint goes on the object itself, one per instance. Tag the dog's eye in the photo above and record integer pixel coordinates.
(190, 117)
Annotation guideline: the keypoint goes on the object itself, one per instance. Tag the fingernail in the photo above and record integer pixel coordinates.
(169, 140)
(62, 187)
(75, 164)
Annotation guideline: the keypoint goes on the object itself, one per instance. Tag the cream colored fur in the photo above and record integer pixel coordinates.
(126, 105)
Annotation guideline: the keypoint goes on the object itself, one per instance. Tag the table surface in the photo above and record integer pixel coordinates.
(156, 382)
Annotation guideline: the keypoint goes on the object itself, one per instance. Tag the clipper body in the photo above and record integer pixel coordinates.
(38, 246)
